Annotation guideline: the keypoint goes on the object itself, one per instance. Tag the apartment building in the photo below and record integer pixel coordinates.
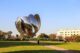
(68, 32)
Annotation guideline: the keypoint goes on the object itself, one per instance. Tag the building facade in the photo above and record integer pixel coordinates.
(68, 32)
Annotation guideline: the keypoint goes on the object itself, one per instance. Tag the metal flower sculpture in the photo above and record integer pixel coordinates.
(28, 25)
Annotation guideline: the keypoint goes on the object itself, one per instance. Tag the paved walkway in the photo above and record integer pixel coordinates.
(55, 47)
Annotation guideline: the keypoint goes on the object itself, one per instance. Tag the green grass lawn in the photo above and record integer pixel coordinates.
(24, 47)
(27, 47)
(68, 45)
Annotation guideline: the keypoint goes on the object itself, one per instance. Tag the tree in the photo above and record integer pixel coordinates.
(9, 34)
(73, 38)
(60, 38)
(78, 38)
(68, 39)
(43, 36)
(2, 35)
(5, 35)
(52, 36)
(17, 36)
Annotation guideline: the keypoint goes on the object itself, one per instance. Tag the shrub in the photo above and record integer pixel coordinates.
(73, 38)
(68, 39)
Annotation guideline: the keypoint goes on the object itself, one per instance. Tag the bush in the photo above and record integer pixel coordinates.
(44, 39)
(73, 38)
(68, 39)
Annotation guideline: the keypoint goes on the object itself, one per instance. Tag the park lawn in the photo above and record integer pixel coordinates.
(70, 46)
(27, 47)
(24, 47)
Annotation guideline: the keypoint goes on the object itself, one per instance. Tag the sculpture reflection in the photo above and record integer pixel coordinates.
(28, 25)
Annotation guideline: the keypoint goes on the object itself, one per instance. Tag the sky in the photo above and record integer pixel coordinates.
(54, 14)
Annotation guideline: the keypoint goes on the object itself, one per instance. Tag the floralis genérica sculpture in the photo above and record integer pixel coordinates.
(28, 25)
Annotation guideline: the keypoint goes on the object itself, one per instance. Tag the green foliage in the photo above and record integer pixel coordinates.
(52, 36)
(60, 38)
(43, 36)
(5, 35)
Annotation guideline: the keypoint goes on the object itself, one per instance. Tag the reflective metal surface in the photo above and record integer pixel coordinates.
(28, 25)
